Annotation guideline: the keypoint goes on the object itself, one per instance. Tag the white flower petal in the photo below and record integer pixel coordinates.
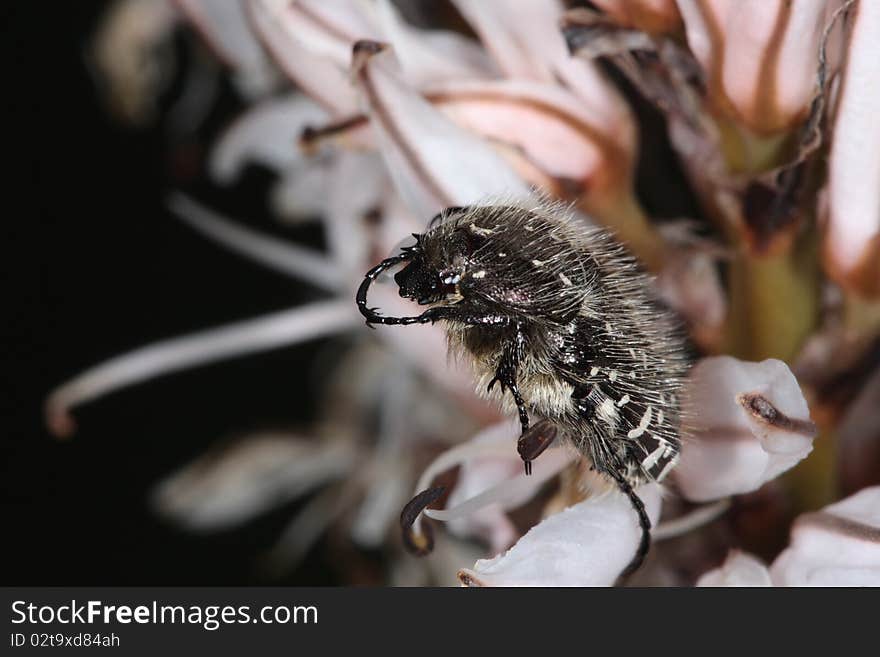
(739, 569)
(744, 424)
(492, 480)
(838, 546)
(266, 134)
(588, 544)
(760, 56)
(852, 246)
(225, 26)
(434, 163)
(283, 328)
(305, 52)
(526, 42)
(428, 56)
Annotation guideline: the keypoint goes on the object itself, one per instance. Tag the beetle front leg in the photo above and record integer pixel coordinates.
(531, 442)
(506, 371)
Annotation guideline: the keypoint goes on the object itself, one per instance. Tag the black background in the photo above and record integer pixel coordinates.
(94, 266)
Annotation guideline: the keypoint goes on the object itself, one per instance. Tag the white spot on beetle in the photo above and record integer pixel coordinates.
(623, 401)
(479, 274)
(480, 231)
(594, 371)
(643, 424)
(608, 412)
(653, 458)
(667, 467)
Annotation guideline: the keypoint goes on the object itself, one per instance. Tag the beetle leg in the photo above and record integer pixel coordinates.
(644, 520)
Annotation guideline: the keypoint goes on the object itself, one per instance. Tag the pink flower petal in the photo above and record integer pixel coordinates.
(433, 163)
(760, 56)
(587, 544)
(744, 424)
(838, 546)
(526, 42)
(852, 241)
(739, 569)
(304, 48)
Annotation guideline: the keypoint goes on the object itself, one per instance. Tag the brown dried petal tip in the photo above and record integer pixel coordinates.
(419, 544)
(362, 50)
(761, 408)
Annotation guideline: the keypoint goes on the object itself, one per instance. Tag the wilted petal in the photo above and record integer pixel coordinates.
(739, 569)
(233, 483)
(760, 56)
(852, 241)
(838, 546)
(587, 544)
(225, 27)
(653, 16)
(744, 424)
(434, 163)
(267, 134)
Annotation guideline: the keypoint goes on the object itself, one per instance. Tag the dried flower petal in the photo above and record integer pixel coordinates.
(745, 424)
(587, 544)
(838, 546)
(739, 569)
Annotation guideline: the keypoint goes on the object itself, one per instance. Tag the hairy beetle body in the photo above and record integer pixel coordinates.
(561, 317)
